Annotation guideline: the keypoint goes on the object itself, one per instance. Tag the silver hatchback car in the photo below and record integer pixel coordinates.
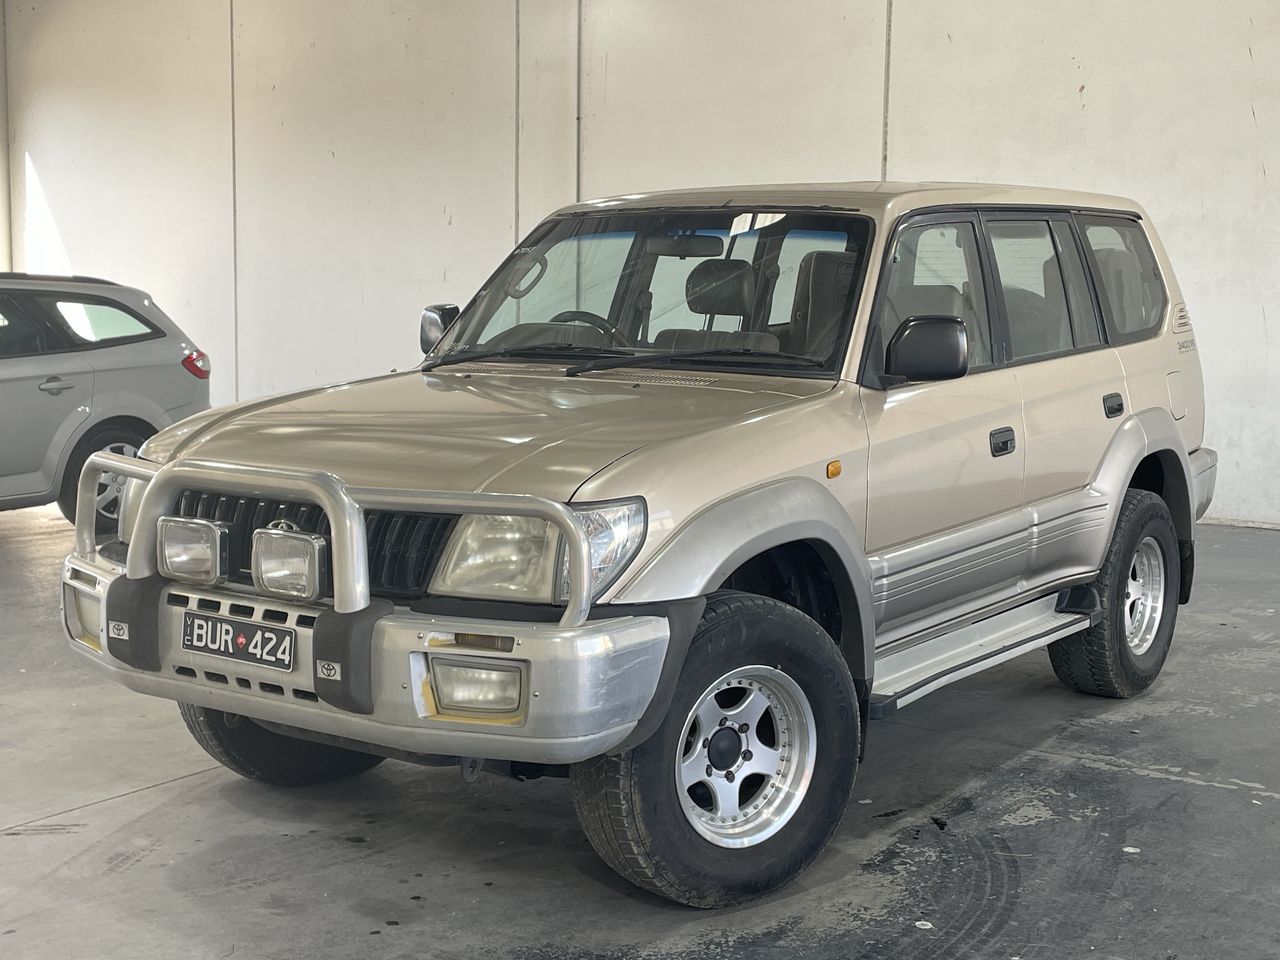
(85, 365)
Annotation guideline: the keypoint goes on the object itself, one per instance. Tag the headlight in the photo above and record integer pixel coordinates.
(507, 558)
(519, 558)
(193, 551)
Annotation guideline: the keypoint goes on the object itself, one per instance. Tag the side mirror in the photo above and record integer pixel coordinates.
(435, 321)
(928, 348)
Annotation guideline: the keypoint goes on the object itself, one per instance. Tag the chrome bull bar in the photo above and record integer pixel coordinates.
(344, 505)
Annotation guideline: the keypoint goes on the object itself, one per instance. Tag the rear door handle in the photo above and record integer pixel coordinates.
(1003, 441)
(55, 385)
(1113, 405)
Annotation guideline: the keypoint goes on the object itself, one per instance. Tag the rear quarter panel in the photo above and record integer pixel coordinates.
(1164, 371)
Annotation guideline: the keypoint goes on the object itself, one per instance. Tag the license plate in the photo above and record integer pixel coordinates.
(241, 640)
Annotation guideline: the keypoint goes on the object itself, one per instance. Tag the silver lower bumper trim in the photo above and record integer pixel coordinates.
(585, 687)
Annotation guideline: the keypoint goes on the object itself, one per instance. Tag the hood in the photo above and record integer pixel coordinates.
(477, 428)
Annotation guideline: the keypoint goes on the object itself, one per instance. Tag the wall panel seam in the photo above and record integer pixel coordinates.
(235, 205)
(516, 219)
(577, 127)
(884, 107)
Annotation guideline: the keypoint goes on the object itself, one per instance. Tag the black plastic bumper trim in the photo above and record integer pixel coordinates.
(346, 639)
(133, 629)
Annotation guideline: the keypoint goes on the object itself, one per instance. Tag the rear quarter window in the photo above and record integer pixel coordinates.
(1128, 278)
(91, 323)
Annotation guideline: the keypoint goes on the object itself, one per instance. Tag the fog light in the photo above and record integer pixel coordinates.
(287, 563)
(487, 686)
(193, 551)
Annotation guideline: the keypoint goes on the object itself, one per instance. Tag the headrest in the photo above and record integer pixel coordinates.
(824, 280)
(721, 287)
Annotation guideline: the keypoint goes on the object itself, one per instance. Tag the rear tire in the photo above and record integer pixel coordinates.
(652, 813)
(257, 753)
(1123, 653)
(121, 439)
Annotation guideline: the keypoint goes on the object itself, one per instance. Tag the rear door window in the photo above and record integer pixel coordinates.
(1128, 277)
(21, 335)
(1035, 299)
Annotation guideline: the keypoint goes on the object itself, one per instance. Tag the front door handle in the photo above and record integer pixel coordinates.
(55, 385)
(1113, 405)
(1003, 441)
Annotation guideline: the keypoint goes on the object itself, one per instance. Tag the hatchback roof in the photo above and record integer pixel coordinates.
(55, 278)
(870, 196)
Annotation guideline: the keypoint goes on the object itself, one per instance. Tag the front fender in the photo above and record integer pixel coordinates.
(700, 556)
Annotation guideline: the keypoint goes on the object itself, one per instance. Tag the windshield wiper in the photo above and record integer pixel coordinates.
(641, 360)
(533, 350)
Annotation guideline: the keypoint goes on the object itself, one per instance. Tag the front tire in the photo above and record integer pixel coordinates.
(748, 776)
(257, 753)
(1123, 653)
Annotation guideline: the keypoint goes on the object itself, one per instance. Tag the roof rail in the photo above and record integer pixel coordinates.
(65, 278)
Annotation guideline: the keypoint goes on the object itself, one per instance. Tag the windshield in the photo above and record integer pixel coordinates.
(768, 291)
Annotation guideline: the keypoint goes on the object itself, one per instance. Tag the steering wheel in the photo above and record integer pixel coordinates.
(615, 335)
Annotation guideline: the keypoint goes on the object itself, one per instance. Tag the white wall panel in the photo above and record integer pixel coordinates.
(1174, 103)
(375, 171)
(120, 131)
(387, 153)
(548, 94)
(680, 94)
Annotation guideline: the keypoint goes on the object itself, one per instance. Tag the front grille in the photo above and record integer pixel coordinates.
(403, 547)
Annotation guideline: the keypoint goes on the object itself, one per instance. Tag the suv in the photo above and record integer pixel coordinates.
(694, 487)
(85, 365)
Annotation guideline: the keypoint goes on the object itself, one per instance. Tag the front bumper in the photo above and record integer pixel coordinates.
(583, 690)
(586, 681)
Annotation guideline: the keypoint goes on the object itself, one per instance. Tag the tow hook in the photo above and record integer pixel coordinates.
(470, 767)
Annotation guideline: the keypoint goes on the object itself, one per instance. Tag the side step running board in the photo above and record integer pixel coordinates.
(909, 671)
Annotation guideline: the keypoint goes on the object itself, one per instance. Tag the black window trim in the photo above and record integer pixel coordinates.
(57, 322)
(1081, 219)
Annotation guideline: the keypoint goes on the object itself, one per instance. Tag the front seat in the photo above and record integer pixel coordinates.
(824, 286)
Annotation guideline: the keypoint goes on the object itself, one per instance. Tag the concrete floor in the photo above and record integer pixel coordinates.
(1003, 817)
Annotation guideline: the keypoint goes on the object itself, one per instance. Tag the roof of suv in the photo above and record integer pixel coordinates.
(870, 196)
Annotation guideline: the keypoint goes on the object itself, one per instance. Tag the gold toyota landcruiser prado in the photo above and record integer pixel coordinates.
(698, 484)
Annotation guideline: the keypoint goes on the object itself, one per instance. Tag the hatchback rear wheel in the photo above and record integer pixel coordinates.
(122, 440)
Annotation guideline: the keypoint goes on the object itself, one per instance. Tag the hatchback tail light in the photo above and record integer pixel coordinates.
(197, 364)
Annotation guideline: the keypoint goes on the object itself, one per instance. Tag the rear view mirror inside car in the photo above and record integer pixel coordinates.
(685, 245)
